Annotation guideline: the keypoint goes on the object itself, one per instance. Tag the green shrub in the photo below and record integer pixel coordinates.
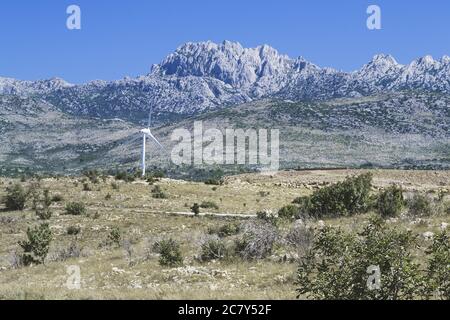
(124, 176)
(214, 182)
(115, 186)
(75, 208)
(289, 212)
(229, 229)
(339, 265)
(267, 216)
(213, 249)
(437, 276)
(114, 236)
(73, 230)
(341, 199)
(170, 253)
(41, 204)
(15, 198)
(195, 209)
(35, 249)
(420, 205)
(390, 202)
(209, 205)
(158, 193)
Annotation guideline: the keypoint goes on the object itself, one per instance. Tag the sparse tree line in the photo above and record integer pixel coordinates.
(332, 263)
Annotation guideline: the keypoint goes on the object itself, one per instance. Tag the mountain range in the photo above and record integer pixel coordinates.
(205, 76)
(383, 115)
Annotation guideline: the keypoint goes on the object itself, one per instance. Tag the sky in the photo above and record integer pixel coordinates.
(121, 38)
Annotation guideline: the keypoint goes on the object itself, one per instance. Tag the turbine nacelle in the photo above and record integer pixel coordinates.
(146, 132)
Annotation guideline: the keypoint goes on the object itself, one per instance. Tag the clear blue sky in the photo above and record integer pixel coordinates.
(120, 38)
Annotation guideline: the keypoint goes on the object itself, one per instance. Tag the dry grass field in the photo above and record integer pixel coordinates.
(131, 270)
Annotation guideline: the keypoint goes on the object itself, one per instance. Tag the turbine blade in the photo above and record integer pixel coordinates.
(150, 117)
(154, 139)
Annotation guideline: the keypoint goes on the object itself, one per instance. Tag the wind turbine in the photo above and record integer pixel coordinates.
(147, 133)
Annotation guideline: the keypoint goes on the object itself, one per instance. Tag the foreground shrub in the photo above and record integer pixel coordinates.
(341, 199)
(35, 249)
(437, 277)
(339, 265)
(170, 253)
(289, 212)
(213, 249)
(390, 202)
(75, 208)
(15, 198)
(420, 205)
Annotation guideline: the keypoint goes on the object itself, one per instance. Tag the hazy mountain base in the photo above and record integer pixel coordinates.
(402, 130)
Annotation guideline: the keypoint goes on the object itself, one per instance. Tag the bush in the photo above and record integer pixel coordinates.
(213, 249)
(73, 230)
(158, 193)
(214, 182)
(229, 229)
(209, 205)
(114, 236)
(42, 203)
(289, 212)
(35, 249)
(437, 276)
(257, 240)
(420, 205)
(195, 209)
(342, 199)
(170, 253)
(15, 198)
(124, 176)
(75, 209)
(115, 186)
(339, 265)
(390, 202)
(87, 187)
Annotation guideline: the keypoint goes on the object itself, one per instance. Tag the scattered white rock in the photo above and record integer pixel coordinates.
(428, 235)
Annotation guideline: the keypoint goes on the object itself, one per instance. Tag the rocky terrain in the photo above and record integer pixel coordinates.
(204, 76)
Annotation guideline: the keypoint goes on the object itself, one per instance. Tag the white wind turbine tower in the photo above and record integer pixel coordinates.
(146, 133)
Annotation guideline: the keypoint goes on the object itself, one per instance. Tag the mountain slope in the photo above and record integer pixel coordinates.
(405, 129)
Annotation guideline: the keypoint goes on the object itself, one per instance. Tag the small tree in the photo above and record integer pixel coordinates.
(437, 277)
(15, 198)
(37, 246)
(170, 253)
(195, 209)
(390, 201)
(115, 236)
(337, 265)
